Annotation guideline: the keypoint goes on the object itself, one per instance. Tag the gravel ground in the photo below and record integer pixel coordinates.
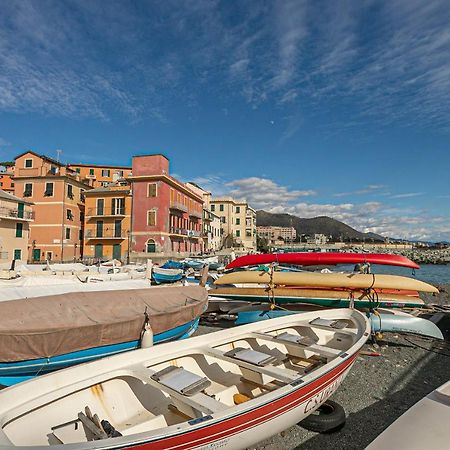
(375, 393)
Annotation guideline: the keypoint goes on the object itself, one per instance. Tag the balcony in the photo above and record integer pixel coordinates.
(196, 214)
(15, 214)
(183, 232)
(178, 206)
(106, 212)
(105, 234)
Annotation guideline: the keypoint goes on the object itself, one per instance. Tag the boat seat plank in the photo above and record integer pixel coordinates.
(301, 342)
(277, 373)
(181, 380)
(252, 356)
(198, 401)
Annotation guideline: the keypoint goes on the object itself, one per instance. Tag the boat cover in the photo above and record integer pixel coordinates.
(58, 324)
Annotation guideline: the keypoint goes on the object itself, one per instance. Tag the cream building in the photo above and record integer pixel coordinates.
(15, 218)
(238, 222)
(272, 234)
(212, 236)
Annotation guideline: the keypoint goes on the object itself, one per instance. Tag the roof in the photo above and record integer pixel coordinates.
(103, 189)
(109, 166)
(47, 158)
(8, 196)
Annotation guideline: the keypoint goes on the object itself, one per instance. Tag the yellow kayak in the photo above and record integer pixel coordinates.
(331, 280)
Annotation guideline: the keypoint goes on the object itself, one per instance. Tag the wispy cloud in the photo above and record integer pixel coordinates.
(370, 189)
(407, 195)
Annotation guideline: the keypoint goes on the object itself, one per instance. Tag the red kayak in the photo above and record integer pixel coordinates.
(323, 259)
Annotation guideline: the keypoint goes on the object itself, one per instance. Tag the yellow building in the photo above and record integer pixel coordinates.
(108, 222)
(100, 175)
(238, 222)
(15, 218)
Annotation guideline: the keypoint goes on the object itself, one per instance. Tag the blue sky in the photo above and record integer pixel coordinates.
(308, 107)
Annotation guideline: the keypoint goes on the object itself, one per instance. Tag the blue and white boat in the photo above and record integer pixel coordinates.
(161, 275)
(48, 333)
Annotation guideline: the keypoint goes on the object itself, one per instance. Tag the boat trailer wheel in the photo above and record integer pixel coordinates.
(328, 418)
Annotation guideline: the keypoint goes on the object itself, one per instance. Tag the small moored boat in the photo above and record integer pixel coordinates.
(228, 390)
(160, 275)
(52, 332)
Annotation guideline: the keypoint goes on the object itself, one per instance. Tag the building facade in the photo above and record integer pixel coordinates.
(15, 217)
(6, 177)
(107, 225)
(57, 193)
(273, 234)
(167, 215)
(238, 222)
(100, 175)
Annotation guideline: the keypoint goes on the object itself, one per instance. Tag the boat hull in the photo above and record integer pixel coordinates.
(323, 258)
(412, 302)
(253, 426)
(16, 372)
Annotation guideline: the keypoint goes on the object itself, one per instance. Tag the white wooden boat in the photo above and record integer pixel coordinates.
(424, 426)
(228, 389)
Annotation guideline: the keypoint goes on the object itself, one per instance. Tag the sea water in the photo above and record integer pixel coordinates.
(430, 273)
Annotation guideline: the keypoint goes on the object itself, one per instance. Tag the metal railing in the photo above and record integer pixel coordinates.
(105, 234)
(184, 232)
(106, 212)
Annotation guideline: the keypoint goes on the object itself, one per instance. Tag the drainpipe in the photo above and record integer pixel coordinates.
(62, 229)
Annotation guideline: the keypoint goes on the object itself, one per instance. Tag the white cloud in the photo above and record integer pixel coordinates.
(407, 195)
(370, 189)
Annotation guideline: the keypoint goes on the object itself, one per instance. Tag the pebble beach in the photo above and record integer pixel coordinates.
(378, 389)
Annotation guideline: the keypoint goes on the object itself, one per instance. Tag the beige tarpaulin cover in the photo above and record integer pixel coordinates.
(58, 324)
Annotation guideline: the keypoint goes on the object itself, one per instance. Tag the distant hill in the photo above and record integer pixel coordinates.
(321, 225)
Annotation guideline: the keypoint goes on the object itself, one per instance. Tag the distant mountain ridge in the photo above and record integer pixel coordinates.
(320, 225)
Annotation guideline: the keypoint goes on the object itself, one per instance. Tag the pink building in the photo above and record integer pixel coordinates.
(167, 215)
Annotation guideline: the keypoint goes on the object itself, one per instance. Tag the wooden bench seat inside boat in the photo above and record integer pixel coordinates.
(300, 346)
(254, 372)
(196, 404)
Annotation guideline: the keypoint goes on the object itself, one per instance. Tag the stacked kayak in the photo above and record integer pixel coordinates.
(322, 258)
(323, 289)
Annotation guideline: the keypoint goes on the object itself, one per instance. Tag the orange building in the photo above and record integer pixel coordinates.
(58, 196)
(6, 174)
(99, 175)
(108, 222)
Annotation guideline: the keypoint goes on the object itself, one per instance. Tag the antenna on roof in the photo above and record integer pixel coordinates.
(58, 153)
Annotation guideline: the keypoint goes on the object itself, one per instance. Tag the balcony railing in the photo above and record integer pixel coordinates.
(11, 213)
(179, 206)
(95, 212)
(182, 231)
(196, 214)
(105, 234)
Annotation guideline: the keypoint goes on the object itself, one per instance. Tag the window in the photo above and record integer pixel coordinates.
(238, 209)
(17, 253)
(69, 214)
(120, 173)
(81, 195)
(238, 233)
(151, 192)
(28, 192)
(77, 170)
(151, 246)
(67, 233)
(53, 170)
(19, 229)
(28, 163)
(91, 172)
(70, 191)
(223, 220)
(220, 207)
(49, 256)
(105, 172)
(238, 221)
(213, 208)
(151, 218)
(48, 190)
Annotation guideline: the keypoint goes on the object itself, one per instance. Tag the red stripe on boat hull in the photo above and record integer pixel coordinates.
(250, 419)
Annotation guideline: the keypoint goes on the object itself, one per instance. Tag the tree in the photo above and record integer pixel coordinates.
(262, 245)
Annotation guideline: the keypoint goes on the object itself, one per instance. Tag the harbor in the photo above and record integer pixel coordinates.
(224, 225)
